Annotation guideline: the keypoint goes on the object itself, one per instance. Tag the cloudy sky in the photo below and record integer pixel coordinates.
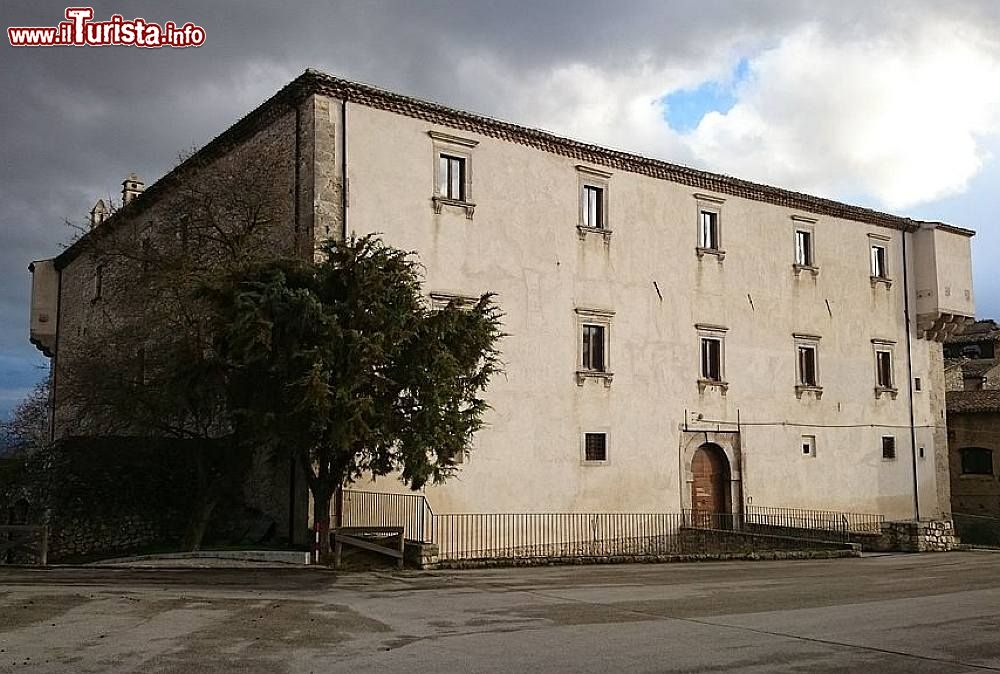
(895, 107)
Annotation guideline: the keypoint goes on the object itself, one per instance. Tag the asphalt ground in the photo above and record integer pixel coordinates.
(888, 613)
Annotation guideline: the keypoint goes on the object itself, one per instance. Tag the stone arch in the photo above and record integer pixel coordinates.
(728, 443)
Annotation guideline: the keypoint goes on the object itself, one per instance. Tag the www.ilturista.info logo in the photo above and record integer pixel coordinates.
(80, 31)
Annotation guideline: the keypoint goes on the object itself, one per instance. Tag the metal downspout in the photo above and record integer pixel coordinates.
(909, 379)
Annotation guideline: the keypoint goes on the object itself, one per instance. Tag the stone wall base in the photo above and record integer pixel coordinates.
(646, 559)
(921, 535)
(421, 555)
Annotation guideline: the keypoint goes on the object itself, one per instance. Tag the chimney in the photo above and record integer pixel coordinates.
(132, 187)
(98, 214)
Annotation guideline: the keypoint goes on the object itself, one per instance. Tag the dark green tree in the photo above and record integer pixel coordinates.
(342, 364)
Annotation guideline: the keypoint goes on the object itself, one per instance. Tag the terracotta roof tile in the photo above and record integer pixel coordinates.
(987, 400)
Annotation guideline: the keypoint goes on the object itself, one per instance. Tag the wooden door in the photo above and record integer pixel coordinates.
(710, 482)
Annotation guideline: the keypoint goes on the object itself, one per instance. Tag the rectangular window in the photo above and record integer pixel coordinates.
(708, 233)
(883, 369)
(711, 359)
(451, 177)
(807, 366)
(595, 447)
(888, 447)
(976, 461)
(879, 269)
(593, 348)
(98, 281)
(593, 207)
(809, 445)
(803, 248)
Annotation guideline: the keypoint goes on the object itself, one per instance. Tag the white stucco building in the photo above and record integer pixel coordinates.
(676, 338)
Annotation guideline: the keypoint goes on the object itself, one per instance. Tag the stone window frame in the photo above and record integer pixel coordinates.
(804, 340)
(584, 461)
(810, 441)
(603, 318)
(879, 241)
(801, 223)
(718, 333)
(709, 204)
(588, 176)
(438, 300)
(885, 346)
(454, 146)
(963, 453)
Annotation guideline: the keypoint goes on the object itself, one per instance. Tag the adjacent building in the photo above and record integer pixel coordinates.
(676, 338)
(972, 367)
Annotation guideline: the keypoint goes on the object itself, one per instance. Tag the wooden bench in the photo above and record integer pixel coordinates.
(383, 540)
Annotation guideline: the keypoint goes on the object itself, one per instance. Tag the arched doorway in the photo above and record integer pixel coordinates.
(710, 482)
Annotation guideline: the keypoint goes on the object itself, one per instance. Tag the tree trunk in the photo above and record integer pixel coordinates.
(198, 524)
(321, 523)
(206, 498)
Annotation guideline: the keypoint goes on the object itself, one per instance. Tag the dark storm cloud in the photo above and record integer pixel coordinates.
(74, 121)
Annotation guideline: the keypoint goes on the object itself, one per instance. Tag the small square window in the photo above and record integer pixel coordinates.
(593, 348)
(917, 384)
(711, 359)
(708, 230)
(593, 206)
(803, 248)
(809, 445)
(879, 264)
(888, 447)
(595, 447)
(451, 177)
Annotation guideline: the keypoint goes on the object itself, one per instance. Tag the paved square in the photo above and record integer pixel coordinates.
(891, 613)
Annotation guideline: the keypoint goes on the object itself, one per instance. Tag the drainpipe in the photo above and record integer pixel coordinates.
(909, 379)
(343, 166)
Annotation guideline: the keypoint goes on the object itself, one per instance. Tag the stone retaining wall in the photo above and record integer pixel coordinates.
(922, 535)
(646, 559)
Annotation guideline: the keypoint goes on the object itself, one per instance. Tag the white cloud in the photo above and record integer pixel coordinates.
(616, 108)
(900, 119)
(895, 117)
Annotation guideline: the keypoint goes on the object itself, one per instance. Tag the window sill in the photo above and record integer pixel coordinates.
(979, 477)
(583, 231)
(594, 464)
(718, 252)
(799, 268)
(583, 375)
(703, 384)
(881, 280)
(888, 459)
(440, 202)
(880, 390)
(804, 388)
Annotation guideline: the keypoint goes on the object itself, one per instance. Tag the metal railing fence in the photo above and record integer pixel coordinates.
(375, 509)
(513, 536)
(792, 519)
